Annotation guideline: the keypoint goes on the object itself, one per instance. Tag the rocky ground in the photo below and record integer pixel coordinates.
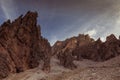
(87, 70)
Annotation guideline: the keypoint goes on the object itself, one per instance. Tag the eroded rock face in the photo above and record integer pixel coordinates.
(110, 48)
(64, 49)
(22, 46)
(88, 51)
(84, 47)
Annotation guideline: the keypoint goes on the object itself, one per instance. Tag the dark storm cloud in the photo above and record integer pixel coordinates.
(60, 19)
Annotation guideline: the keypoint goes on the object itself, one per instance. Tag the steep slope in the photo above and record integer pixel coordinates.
(22, 46)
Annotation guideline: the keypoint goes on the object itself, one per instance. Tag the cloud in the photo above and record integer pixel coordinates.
(103, 39)
(91, 32)
(94, 17)
(53, 40)
(8, 8)
(99, 25)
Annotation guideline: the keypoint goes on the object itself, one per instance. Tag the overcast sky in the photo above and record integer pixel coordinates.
(60, 19)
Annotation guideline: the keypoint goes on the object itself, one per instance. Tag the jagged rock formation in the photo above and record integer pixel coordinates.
(64, 49)
(22, 46)
(110, 48)
(84, 47)
(88, 51)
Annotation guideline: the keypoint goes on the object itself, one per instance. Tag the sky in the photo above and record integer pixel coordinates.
(61, 19)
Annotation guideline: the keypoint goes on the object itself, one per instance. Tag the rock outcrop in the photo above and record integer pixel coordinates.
(64, 49)
(22, 46)
(110, 48)
(84, 47)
